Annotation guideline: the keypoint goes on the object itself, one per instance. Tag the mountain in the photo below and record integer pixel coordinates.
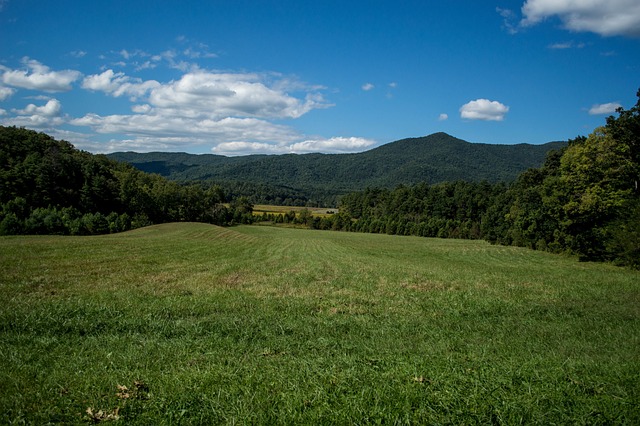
(435, 158)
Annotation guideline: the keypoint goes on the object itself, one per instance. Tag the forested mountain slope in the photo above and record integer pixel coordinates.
(435, 158)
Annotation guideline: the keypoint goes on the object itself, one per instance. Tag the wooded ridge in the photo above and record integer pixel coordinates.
(432, 159)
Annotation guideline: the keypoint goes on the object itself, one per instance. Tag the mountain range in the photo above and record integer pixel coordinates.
(433, 159)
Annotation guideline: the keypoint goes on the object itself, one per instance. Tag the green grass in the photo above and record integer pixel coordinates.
(260, 325)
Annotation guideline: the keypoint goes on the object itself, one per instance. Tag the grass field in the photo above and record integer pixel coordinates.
(196, 324)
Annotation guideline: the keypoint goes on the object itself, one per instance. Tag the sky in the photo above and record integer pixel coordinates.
(240, 77)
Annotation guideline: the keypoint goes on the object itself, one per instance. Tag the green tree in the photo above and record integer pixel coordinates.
(597, 174)
(305, 217)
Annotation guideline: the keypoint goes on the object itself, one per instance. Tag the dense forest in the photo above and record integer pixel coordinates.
(583, 200)
(321, 179)
(49, 187)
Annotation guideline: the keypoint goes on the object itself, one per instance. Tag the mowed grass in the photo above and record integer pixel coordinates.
(196, 324)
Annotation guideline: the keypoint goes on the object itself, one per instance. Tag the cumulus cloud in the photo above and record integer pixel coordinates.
(36, 76)
(607, 18)
(230, 95)
(484, 109)
(443, 117)
(608, 108)
(45, 116)
(51, 109)
(232, 112)
(107, 82)
(367, 86)
(118, 84)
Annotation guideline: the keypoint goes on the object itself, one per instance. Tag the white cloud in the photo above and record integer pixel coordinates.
(6, 93)
(196, 54)
(484, 109)
(335, 145)
(331, 145)
(607, 18)
(218, 95)
(509, 20)
(367, 86)
(245, 148)
(142, 109)
(136, 53)
(171, 57)
(37, 76)
(608, 108)
(45, 116)
(118, 84)
(147, 144)
(138, 59)
(230, 112)
(213, 131)
(51, 109)
(229, 136)
(443, 117)
(107, 82)
(146, 65)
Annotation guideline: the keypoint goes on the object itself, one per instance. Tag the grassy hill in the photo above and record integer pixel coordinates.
(435, 158)
(263, 325)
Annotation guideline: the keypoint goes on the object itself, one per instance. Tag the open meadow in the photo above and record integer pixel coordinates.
(196, 324)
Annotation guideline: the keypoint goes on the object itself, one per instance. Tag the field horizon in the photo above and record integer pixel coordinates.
(194, 323)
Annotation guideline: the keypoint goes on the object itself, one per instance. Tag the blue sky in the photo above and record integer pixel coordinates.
(244, 77)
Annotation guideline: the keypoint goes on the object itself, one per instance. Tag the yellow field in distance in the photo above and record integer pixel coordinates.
(259, 209)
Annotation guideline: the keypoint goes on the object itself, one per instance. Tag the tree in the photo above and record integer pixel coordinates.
(626, 129)
(597, 174)
(305, 217)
